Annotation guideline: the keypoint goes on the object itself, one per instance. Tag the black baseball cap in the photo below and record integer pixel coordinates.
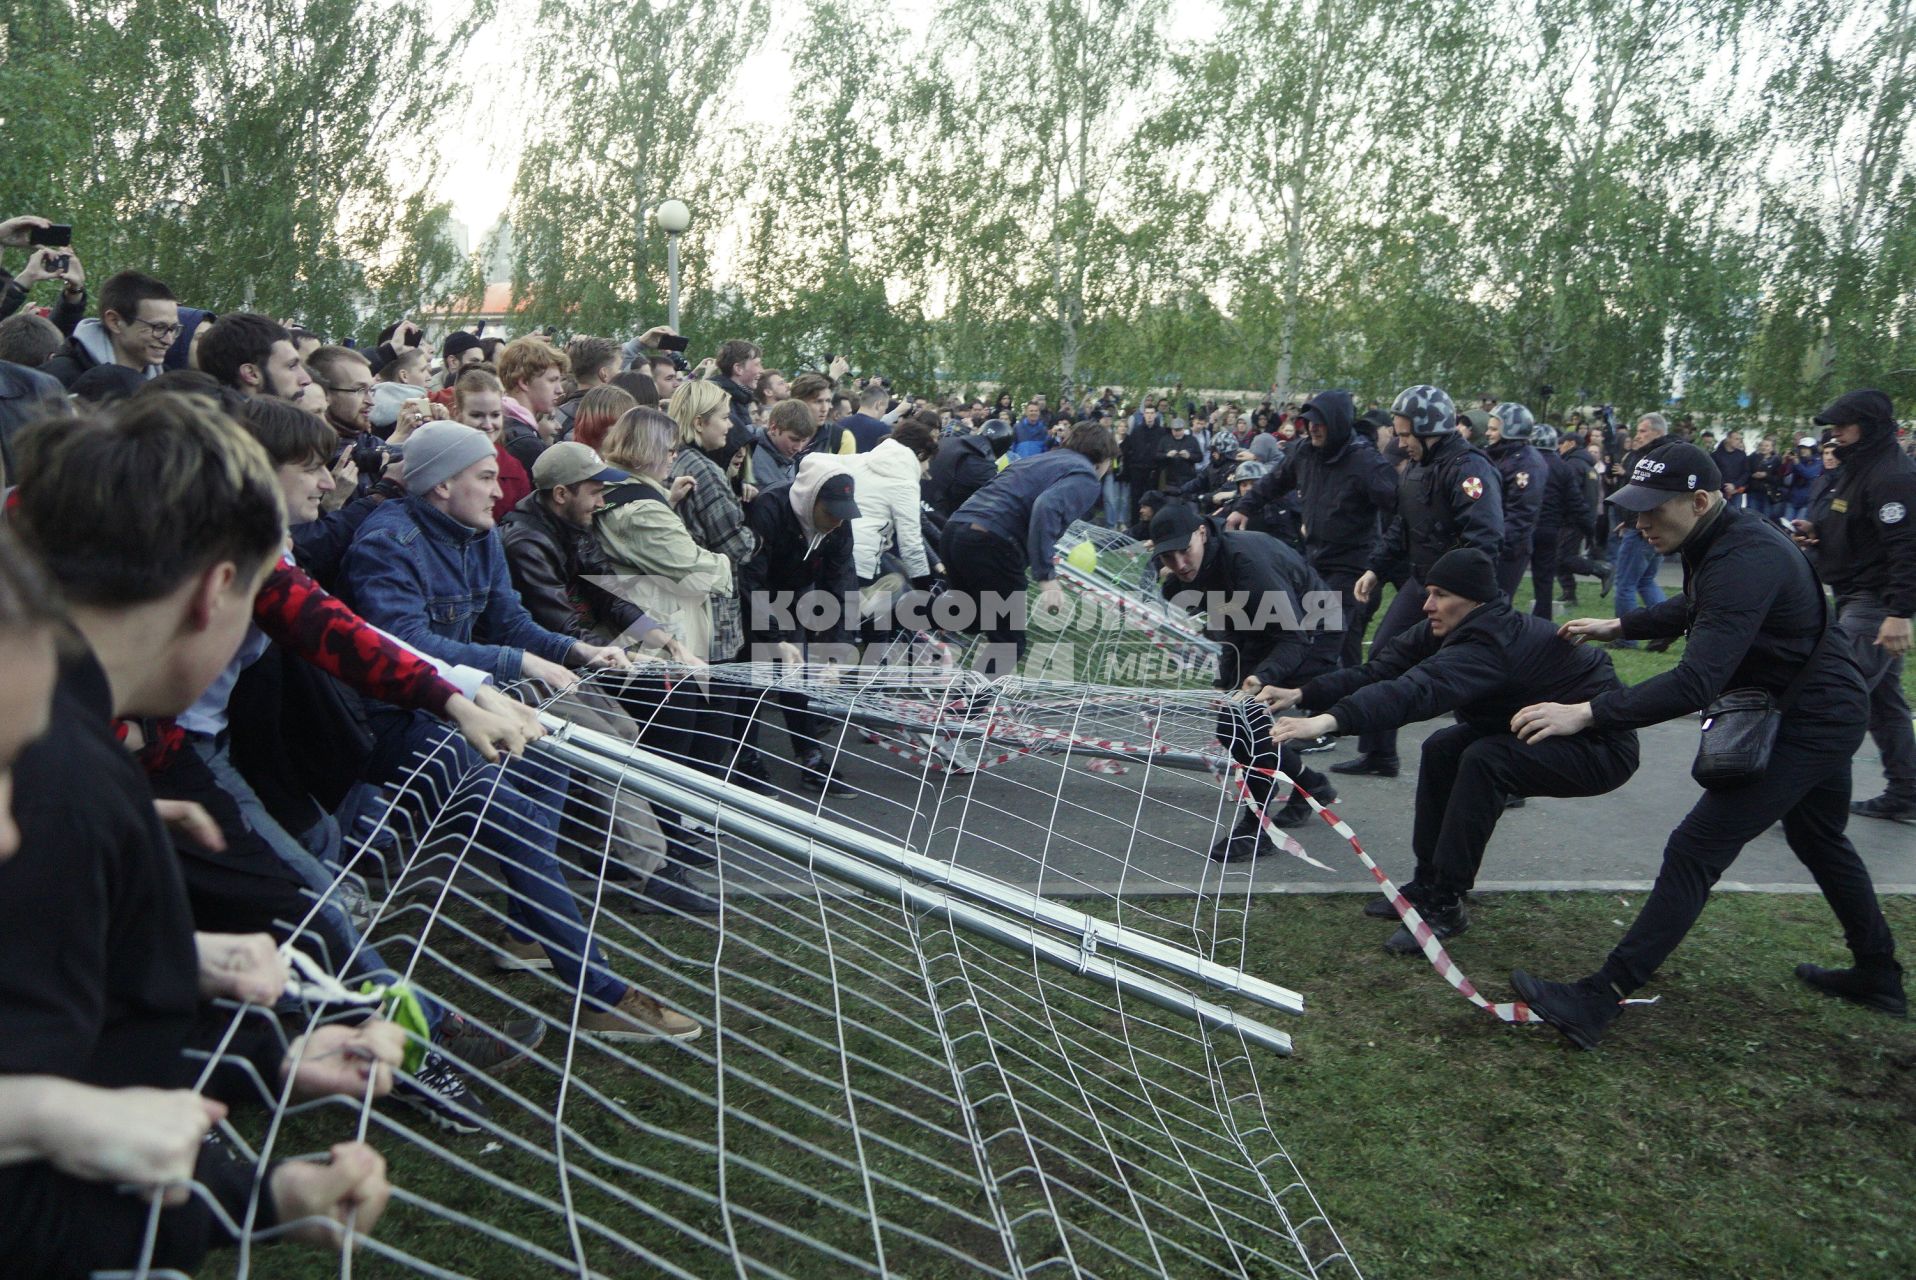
(1171, 528)
(1663, 473)
(835, 495)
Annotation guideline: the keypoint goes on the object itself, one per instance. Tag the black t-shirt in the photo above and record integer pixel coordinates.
(99, 981)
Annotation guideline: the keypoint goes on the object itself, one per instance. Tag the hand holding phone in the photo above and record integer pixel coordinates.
(54, 235)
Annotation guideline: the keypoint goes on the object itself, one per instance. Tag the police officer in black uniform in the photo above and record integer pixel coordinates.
(1755, 615)
(1345, 485)
(1477, 656)
(1579, 511)
(1450, 496)
(1275, 623)
(1866, 548)
(1526, 481)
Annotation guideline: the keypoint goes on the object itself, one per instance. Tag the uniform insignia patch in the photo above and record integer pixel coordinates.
(1892, 513)
(1523, 479)
(1473, 488)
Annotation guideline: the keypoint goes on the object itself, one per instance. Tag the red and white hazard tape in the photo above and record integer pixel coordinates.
(1440, 960)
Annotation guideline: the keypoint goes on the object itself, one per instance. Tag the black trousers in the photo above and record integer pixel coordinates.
(1356, 616)
(991, 571)
(1543, 567)
(1511, 567)
(1406, 611)
(1807, 786)
(1467, 774)
(1571, 561)
(1244, 728)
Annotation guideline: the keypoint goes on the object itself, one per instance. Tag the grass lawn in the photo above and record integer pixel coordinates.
(1743, 1127)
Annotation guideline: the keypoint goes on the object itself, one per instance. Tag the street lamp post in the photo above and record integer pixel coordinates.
(673, 218)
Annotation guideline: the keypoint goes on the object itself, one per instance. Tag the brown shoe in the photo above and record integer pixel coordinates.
(637, 1017)
(520, 957)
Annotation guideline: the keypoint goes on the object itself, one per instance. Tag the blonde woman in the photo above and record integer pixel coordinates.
(644, 538)
(711, 513)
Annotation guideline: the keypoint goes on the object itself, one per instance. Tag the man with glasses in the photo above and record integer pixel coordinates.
(347, 379)
(139, 319)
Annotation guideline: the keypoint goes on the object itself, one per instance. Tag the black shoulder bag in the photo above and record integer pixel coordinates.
(1739, 728)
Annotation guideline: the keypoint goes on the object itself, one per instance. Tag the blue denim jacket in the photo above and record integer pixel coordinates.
(417, 573)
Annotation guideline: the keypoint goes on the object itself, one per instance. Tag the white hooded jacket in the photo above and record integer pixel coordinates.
(888, 495)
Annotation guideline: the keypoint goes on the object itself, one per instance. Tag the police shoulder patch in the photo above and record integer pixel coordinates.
(1473, 488)
(1892, 513)
(1523, 479)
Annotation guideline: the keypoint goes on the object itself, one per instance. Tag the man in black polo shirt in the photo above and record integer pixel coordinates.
(1755, 615)
(157, 526)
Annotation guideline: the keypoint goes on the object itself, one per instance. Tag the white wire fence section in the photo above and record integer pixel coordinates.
(991, 1014)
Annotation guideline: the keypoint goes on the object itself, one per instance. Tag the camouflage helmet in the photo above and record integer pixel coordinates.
(1249, 471)
(1544, 436)
(1429, 409)
(1517, 422)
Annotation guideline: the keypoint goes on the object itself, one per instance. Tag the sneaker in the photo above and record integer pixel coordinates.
(1659, 645)
(1581, 1010)
(1889, 806)
(1445, 921)
(1375, 765)
(483, 1049)
(514, 956)
(439, 1092)
(1877, 986)
(637, 1017)
(1382, 908)
(667, 889)
(1315, 745)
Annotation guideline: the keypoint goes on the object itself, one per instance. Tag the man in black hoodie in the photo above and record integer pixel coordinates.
(1474, 655)
(1345, 485)
(1866, 549)
(964, 465)
(1270, 615)
(739, 365)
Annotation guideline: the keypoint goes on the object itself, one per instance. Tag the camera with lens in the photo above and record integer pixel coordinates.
(371, 459)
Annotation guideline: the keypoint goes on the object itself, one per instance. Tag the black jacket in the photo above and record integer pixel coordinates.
(1344, 488)
(1565, 503)
(1588, 486)
(963, 465)
(739, 434)
(551, 565)
(1177, 461)
(67, 312)
(1526, 477)
(1260, 600)
(523, 443)
(1453, 498)
(1496, 663)
(1753, 611)
(25, 394)
(1867, 541)
(1138, 455)
(791, 564)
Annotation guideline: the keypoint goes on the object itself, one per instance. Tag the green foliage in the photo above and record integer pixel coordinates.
(256, 156)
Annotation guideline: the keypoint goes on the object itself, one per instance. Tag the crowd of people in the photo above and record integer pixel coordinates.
(249, 577)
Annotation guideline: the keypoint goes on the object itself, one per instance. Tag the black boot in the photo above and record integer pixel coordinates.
(1606, 577)
(814, 774)
(1297, 810)
(1581, 1010)
(1658, 645)
(1382, 908)
(1896, 806)
(1370, 763)
(1246, 840)
(1514, 802)
(1445, 915)
(1875, 984)
(667, 889)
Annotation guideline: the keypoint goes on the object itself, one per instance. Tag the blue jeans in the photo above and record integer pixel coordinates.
(1117, 501)
(518, 823)
(337, 928)
(1637, 563)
